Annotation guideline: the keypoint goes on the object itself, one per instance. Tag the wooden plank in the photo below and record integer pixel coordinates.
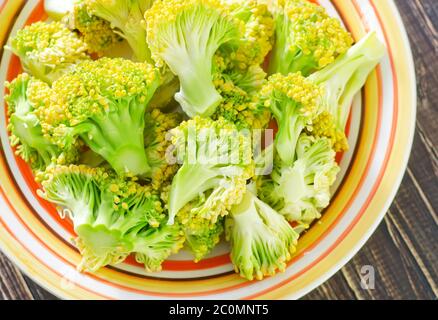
(12, 284)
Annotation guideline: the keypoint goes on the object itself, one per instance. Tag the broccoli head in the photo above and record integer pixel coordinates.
(201, 235)
(294, 101)
(185, 35)
(95, 32)
(104, 103)
(25, 127)
(216, 163)
(48, 50)
(341, 81)
(152, 246)
(307, 38)
(240, 107)
(257, 37)
(262, 241)
(126, 19)
(111, 217)
(302, 190)
(249, 80)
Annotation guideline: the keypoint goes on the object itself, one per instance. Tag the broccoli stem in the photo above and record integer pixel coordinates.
(290, 126)
(119, 137)
(28, 130)
(139, 46)
(281, 52)
(198, 95)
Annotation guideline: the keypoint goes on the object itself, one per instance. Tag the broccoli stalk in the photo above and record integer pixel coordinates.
(343, 79)
(185, 34)
(104, 102)
(25, 127)
(107, 213)
(300, 191)
(262, 241)
(294, 102)
(258, 26)
(48, 50)
(126, 18)
(307, 39)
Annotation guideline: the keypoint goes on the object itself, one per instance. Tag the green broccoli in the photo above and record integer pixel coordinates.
(112, 217)
(240, 107)
(216, 163)
(341, 81)
(201, 235)
(48, 50)
(185, 35)
(104, 102)
(25, 127)
(300, 191)
(307, 38)
(153, 246)
(157, 144)
(257, 37)
(262, 241)
(294, 102)
(126, 18)
(95, 32)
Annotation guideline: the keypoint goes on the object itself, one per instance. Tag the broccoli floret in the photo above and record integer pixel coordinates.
(95, 32)
(250, 80)
(257, 36)
(185, 35)
(25, 127)
(239, 107)
(216, 163)
(154, 245)
(126, 18)
(48, 50)
(200, 234)
(324, 125)
(104, 102)
(294, 102)
(341, 81)
(307, 38)
(262, 241)
(302, 190)
(107, 212)
(158, 125)
(208, 183)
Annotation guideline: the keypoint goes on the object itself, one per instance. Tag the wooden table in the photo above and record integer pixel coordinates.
(404, 249)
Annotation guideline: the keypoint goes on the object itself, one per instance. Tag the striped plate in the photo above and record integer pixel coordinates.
(381, 129)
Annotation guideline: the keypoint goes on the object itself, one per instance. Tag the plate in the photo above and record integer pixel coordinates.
(381, 130)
